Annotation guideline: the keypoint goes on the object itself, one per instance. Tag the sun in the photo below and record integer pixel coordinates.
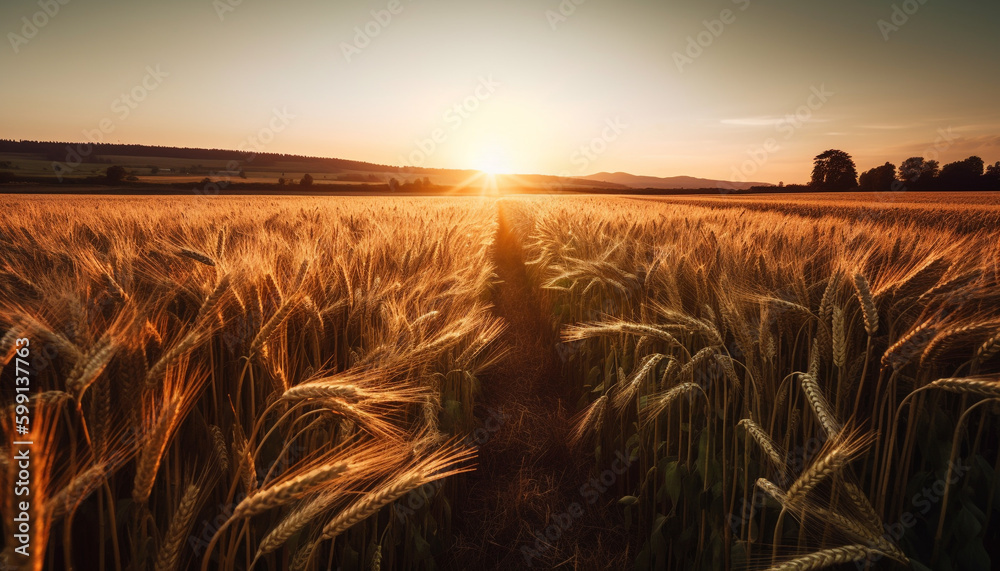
(492, 159)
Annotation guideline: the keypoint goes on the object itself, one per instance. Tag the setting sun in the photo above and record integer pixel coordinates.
(492, 159)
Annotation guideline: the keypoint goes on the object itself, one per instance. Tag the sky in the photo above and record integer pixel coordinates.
(741, 90)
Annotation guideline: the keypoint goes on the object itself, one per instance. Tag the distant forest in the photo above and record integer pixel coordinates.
(834, 170)
(57, 151)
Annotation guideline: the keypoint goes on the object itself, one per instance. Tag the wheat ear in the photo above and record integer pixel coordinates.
(91, 365)
(152, 453)
(287, 491)
(157, 371)
(628, 391)
(440, 464)
(269, 328)
(295, 521)
(987, 387)
(840, 452)
(827, 558)
(196, 256)
(591, 420)
(81, 486)
(820, 405)
(219, 442)
(659, 402)
(839, 338)
(765, 442)
(868, 310)
(169, 555)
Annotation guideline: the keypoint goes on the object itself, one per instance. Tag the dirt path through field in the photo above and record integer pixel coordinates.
(528, 479)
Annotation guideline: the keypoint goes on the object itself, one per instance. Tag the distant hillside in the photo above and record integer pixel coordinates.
(57, 151)
(668, 183)
(262, 167)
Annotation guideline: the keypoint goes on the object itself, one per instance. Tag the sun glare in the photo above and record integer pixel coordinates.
(492, 160)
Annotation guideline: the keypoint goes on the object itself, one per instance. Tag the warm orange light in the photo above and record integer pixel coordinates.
(492, 159)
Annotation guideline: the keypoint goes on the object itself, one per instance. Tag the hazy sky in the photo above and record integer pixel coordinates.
(667, 87)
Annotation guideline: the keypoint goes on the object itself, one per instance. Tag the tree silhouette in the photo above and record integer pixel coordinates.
(116, 174)
(834, 170)
(879, 179)
(911, 169)
(963, 175)
(307, 180)
(993, 176)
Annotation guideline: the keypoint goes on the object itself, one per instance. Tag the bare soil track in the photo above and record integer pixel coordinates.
(527, 474)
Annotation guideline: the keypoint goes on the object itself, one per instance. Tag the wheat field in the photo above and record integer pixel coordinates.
(295, 383)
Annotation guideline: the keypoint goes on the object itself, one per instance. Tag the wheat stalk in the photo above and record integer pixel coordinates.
(152, 452)
(839, 338)
(169, 555)
(439, 464)
(934, 347)
(766, 444)
(295, 521)
(989, 348)
(828, 557)
(820, 406)
(79, 488)
(627, 392)
(868, 310)
(579, 332)
(91, 365)
(980, 386)
(591, 420)
(196, 256)
(687, 371)
(838, 453)
(659, 402)
(288, 490)
(219, 444)
(159, 369)
(269, 328)
(211, 303)
(909, 346)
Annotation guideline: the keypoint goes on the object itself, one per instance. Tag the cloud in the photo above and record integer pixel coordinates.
(769, 121)
(891, 127)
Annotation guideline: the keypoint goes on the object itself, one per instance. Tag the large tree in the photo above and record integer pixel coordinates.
(834, 170)
(916, 173)
(993, 176)
(963, 175)
(116, 174)
(879, 179)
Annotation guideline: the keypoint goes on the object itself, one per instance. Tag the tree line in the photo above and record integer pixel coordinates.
(834, 170)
